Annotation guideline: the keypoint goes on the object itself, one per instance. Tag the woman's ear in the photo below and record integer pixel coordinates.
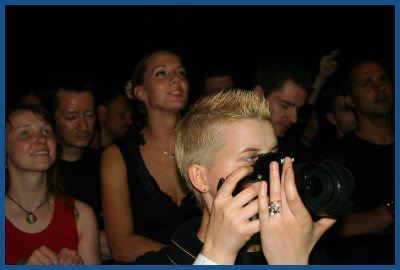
(197, 175)
(140, 93)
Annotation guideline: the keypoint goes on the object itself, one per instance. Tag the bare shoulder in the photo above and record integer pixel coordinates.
(111, 152)
(85, 213)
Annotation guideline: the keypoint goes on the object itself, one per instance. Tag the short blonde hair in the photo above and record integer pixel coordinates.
(198, 136)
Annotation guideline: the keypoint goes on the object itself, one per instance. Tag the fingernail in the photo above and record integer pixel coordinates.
(274, 165)
(287, 160)
(263, 184)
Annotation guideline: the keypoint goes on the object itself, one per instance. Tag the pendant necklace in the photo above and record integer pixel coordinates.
(31, 218)
(171, 155)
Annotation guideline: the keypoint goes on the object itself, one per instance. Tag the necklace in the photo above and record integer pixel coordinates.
(171, 155)
(31, 218)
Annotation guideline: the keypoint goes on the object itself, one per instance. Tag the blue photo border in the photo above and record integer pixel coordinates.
(3, 3)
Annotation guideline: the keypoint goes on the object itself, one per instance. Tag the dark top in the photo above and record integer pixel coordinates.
(185, 246)
(154, 213)
(81, 180)
(373, 169)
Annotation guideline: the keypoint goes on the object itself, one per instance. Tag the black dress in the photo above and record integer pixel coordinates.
(154, 213)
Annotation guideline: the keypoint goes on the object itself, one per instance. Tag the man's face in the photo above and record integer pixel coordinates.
(345, 120)
(372, 90)
(117, 117)
(284, 105)
(244, 140)
(75, 118)
(213, 85)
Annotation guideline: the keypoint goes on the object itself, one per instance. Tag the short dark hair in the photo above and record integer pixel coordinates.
(106, 96)
(329, 96)
(272, 73)
(77, 82)
(214, 71)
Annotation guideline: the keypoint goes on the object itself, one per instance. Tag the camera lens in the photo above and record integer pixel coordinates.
(319, 187)
(313, 186)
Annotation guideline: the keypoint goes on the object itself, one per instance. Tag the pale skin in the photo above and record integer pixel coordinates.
(164, 93)
(225, 226)
(30, 151)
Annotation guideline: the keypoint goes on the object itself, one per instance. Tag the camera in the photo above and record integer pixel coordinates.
(324, 185)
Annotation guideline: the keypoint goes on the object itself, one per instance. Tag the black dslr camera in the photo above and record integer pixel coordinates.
(324, 185)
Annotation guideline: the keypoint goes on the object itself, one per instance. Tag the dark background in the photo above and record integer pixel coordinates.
(108, 41)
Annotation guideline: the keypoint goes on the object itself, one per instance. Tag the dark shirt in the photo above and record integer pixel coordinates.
(373, 169)
(81, 180)
(185, 246)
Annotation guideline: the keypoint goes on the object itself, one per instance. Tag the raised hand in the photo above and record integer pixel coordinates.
(229, 227)
(287, 237)
(328, 64)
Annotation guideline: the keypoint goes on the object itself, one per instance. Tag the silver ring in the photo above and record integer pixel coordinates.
(274, 208)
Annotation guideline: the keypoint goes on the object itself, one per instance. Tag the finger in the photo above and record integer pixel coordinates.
(263, 212)
(293, 199)
(287, 163)
(247, 213)
(45, 259)
(245, 196)
(61, 261)
(68, 259)
(78, 260)
(68, 256)
(251, 208)
(232, 179)
(274, 182)
(49, 255)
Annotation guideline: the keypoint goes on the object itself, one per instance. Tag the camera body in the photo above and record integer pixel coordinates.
(324, 185)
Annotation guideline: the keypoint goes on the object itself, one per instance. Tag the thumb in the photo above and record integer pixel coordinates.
(323, 224)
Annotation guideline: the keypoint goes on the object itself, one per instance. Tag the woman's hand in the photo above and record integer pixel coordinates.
(41, 256)
(229, 227)
(69, 257)
(287, 237)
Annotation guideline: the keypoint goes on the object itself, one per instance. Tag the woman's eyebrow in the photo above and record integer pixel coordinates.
(249, 149)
